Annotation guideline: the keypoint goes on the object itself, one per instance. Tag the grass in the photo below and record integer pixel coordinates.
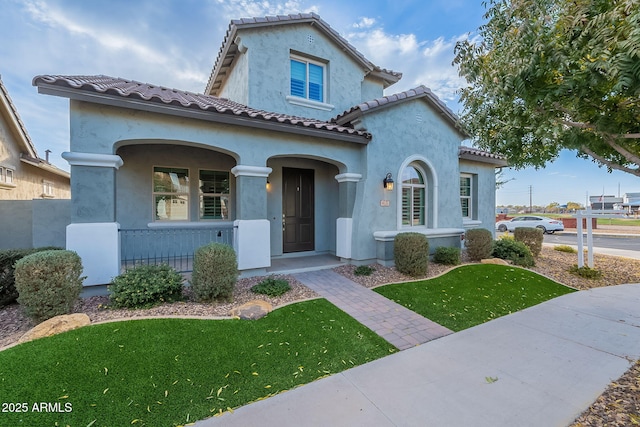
(474, 294)
(173, 371)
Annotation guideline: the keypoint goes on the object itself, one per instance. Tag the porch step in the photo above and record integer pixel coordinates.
(398, 325)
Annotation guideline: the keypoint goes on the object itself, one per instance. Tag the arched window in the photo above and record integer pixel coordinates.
(413, 196)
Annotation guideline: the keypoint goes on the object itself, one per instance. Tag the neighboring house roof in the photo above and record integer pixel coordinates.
(28, 153)
(230, 44)
(421, 92)
(469, 153)
(144, 96)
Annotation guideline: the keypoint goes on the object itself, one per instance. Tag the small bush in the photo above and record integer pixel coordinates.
(215, 272)
(48, 283)
(565, 248)
(8, 259)
(447, 256)
(411, 253)
(585, 272)
(479, 243)
(532, 237)
(146, 285)
(363, 270)
(272, 287)
(514, 251)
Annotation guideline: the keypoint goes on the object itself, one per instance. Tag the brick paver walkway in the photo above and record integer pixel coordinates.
(398, 325)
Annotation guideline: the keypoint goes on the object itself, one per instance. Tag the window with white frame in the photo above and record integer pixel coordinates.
(413, 196)
(466, 195)
(2, 175)
(214, 194)
(9, 176)
(308, 79)
(171, 194)
(47, 189)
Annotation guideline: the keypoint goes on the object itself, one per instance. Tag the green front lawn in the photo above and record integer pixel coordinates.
(166, 372)
(470, 295)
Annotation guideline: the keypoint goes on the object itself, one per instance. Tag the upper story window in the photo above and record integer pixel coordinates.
(307, 79)
(171, 194)
(466, 195)
(214, 194)
(413, 196)
(47, 189)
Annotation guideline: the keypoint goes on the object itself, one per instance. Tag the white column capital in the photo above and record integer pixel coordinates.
(348, 177)
(257, 171)
(93, 159)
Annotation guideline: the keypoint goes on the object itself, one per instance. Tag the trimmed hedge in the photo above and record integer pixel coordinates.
(8, 259)
(145, 286)
(447, 255)
(479, 243)
(48, 283)
(215, 272)
(532, 237)
(411, 253)
(514, 251)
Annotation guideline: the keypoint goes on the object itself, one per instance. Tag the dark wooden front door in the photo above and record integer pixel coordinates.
(297, 210)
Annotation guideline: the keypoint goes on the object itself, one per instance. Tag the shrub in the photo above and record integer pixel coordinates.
(215, 272)
(447, 256)
(585, 271)
(48, 283)
(272, 287)
(363, 270)
(532, 237)
(146, 285)
(479, 243)
(8, 259)
(514, 251)
(565, 248)
(411, 253)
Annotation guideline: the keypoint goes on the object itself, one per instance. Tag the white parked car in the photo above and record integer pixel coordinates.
(547, 225)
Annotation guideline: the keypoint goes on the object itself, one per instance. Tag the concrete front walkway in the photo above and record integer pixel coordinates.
(398, 325)
(541, 366)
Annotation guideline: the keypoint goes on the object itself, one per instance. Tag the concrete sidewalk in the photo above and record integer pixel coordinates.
(539, 367)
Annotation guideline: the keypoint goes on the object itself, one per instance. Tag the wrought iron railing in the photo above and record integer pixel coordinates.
(173, 246)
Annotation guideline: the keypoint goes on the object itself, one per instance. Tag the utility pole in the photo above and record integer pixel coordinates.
(530, 199)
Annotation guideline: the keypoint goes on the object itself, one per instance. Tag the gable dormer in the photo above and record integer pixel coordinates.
(296, 65)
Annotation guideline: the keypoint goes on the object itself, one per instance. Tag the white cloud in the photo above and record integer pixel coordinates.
(234, 9)
(365, 23)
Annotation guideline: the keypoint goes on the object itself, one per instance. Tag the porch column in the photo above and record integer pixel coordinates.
(93, 232)
(252, 239)
(347, 188)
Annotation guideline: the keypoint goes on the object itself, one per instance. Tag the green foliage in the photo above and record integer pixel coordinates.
(363, 270)
(271, 287)
(411, 253)
(215, 272)
(447, 256)
(479, 243)
(8, 259)
(531, 237)
(145, 286)
(565, 248)
(585, 272)
(170, 372)
(547, 75)
(48, 283)
(514, 251)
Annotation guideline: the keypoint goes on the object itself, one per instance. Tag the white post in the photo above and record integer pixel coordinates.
(590, 237)
(579, 230)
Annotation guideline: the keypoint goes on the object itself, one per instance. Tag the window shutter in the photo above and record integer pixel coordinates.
(298, 79)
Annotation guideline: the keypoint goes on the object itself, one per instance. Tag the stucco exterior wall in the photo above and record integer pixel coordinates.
(486, 194)
(33, 223)
(269, 70)
(237, 84)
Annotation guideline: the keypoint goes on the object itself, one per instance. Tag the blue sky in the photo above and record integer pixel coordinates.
(174, 43)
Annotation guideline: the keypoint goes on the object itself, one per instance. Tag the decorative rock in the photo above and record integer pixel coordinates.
(252, 310)
(496, 261)
(56, 325)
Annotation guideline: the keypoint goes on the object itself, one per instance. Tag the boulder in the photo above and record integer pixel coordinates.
(56, 325)
(252, 310)
(497, 261)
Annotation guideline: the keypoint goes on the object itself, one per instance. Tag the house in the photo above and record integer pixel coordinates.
(630, 203)
(292, 150)
(24, 175)
(604, 202)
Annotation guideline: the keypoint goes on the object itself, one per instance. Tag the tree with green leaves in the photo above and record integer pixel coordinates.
(547, 75)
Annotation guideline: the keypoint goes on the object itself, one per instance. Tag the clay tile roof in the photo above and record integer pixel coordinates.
(158, 94)
(390, 100)
(229, 48)
(471, 153)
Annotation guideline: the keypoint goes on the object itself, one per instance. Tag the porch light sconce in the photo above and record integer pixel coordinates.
(268, 185)
(388, 182)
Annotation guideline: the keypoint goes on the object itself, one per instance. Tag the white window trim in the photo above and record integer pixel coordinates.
(201, 195)
(304, 102)
(432, 191)
(5, 183)
(154, 193)
(48, 189)
(424, 186)
(469, 197)
(310, 102)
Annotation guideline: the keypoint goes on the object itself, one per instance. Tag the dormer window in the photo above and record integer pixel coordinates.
(307, 79)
